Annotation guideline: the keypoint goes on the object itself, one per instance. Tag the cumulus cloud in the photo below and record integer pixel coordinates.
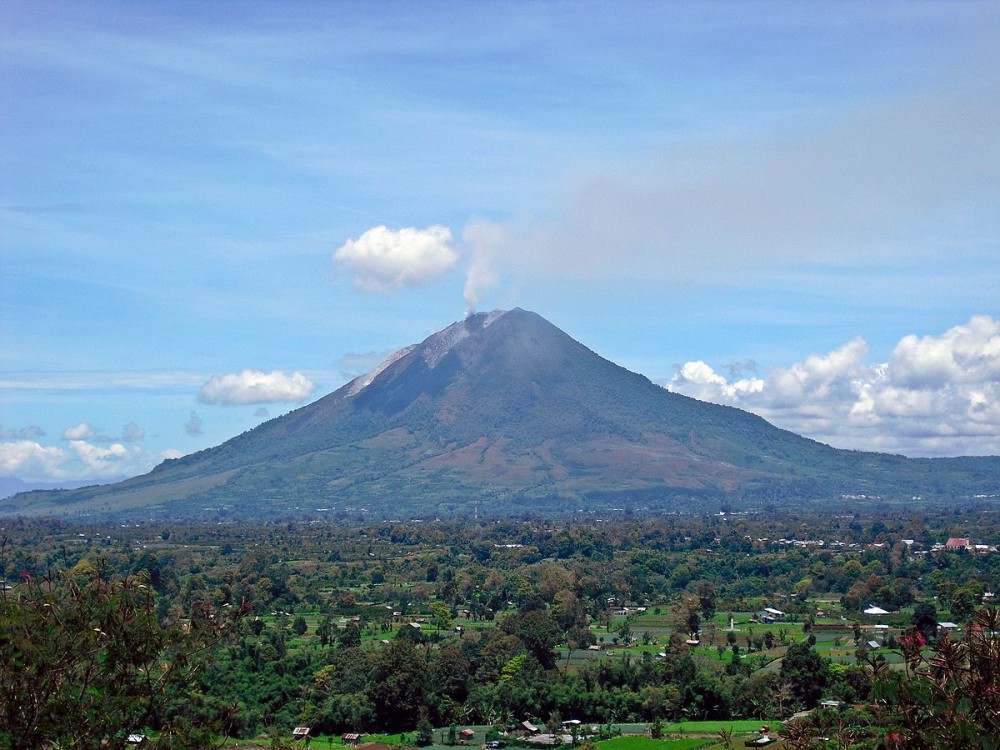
(383, 259)
(105, 461)
(937, 395)
(256, 387)
(30, 461)
(82, 431)
(965, 354)
(699, 380)
(193, 425)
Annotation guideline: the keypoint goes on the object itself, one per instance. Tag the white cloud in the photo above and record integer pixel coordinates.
(966, 354)
(383, 259)
(27, 460)
(82, 431)
(256, 387)
(937, 395)
(818, 378)
(702, 382)
(107, 462)
(82, 460)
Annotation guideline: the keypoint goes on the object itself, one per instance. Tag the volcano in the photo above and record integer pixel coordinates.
(503, 413)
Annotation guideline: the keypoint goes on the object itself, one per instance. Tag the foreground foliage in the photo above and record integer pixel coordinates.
(949, 696)
(84, 662)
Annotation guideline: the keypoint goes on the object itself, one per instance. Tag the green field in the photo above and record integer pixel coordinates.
(645, 743)
(712, 727)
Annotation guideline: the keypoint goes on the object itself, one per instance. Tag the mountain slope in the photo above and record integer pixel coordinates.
(504, 411)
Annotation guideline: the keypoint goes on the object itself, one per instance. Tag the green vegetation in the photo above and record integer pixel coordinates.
(683, 627)
(713, 727)
(645, 743)
(84, 662)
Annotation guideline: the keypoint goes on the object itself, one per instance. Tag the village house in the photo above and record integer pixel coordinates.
(769, 614)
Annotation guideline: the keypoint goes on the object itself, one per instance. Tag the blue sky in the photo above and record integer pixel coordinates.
(215, 212)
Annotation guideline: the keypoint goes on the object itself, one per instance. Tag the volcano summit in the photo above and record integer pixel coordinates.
(503, 413)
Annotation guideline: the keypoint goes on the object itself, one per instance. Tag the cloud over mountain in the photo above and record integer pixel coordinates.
(256, 387)
(383, 259)
(937, 395)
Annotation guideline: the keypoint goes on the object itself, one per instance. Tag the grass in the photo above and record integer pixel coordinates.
(645, 743)
(713, 727)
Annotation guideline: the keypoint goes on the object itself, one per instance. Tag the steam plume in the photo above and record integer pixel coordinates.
(484, 237)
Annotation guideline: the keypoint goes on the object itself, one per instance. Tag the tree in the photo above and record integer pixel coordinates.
(397, 685)
(450, 674)
(963, 602)
(803, 588)
(425, 732)
(625, 632)
(706, 599)
(325, 631)
(693, 621)
(84, 662)
(441, 616)
(806, 673)
(568, 610)
(299, 626)
(537, 631)
(925, 620)
(351, 637)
